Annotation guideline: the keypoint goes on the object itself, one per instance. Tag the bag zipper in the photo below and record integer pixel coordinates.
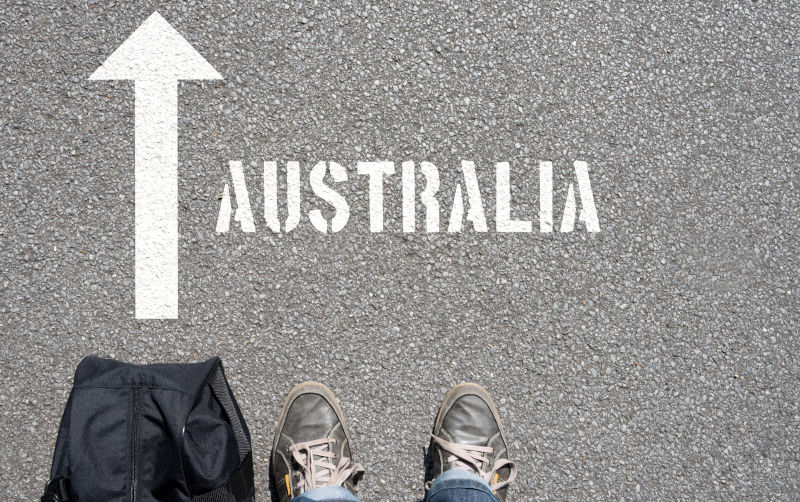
(135, 397)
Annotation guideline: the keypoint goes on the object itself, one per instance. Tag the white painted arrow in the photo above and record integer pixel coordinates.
(156, 57)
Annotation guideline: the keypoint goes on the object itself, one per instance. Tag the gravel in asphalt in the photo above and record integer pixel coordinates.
(657, 359)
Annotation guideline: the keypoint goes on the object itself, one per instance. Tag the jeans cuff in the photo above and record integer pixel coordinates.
(327, 494)
(461, 481)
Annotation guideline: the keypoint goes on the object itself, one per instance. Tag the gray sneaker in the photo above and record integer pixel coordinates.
(468, 435)
(312, 446)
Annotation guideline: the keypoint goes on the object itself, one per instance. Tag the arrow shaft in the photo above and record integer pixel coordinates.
(156, 174)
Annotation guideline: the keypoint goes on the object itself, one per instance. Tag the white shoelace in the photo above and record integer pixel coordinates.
(474, 458)
(316, 460)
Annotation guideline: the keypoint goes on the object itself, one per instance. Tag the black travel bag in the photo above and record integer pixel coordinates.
(157, 432)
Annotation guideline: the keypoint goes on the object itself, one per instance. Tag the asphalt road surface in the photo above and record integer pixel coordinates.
(656, 359)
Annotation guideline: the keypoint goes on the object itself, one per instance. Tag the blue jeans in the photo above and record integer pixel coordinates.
(455, 485)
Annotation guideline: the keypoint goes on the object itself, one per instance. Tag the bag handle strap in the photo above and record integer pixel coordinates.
(239, 487)
(57, 490)
(222, 392)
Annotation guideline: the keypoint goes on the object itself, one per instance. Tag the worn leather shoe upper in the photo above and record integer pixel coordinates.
(312, 447)
(468, 435)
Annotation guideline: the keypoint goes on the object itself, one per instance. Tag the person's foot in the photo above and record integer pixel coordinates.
(468, 435)
(312, 447)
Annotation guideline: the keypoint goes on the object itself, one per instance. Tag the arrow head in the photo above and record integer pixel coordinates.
(156, 52)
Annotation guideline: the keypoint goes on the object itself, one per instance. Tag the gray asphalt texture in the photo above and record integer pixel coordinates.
(658, 359)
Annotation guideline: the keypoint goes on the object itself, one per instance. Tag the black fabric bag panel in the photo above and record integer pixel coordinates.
(158, 432)
(99, 442)
(209, 447)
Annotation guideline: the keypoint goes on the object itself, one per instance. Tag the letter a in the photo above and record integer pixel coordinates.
(243, 213)
(588, 213)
